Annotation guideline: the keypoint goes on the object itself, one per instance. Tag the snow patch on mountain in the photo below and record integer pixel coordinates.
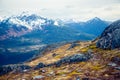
(30, 21)
(56, 23)
(19, 22)
(1, 19)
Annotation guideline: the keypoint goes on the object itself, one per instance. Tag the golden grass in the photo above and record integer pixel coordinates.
(61, 52)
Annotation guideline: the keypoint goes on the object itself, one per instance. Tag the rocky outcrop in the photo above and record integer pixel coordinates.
(74, 58)
(79, 57)
(15, 67)
(40, 65)
(73, 44)
(110, 38)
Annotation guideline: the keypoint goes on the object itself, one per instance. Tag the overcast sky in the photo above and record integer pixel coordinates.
(64, 9)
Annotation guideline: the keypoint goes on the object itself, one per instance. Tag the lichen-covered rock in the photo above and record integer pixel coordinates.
(110, 38)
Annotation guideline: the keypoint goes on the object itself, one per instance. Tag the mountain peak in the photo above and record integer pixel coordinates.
(95, 19)
(27, 14)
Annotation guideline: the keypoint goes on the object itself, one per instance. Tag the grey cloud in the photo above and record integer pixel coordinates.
(82, 9)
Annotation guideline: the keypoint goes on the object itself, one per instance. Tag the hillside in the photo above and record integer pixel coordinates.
(103, 64)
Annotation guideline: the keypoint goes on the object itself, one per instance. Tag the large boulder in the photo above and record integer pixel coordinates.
(110, 38)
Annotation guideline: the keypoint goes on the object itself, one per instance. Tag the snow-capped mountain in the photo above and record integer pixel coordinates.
(16, 26)
(31, 21)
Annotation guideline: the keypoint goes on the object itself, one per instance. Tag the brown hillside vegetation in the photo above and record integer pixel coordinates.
(103, 65)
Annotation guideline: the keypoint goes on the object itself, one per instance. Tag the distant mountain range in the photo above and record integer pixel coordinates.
(16, 26)
(25, 33)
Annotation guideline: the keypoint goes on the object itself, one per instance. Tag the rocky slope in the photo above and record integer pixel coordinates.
(110, 38)
(82, 61)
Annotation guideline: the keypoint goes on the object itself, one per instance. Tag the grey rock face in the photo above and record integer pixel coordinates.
(110, 38)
